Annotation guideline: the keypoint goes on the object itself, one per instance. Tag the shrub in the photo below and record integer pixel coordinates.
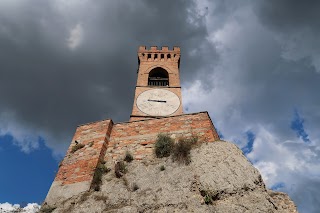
(128, 158)
(98, 172)
(162, 168)
(193, 140)
(120, 169)
(163, 146)
(181, 151)
(77, 147)
(207, 197)
(47, 209)
(135, 187)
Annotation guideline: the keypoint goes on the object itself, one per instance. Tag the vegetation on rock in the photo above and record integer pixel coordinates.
(128, 158)
(181, 150)
(99, 171)
(47, 209)
(164, 145)
(120, 169)
(77, 147)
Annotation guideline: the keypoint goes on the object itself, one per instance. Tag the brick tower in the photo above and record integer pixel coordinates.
(157, 108)
(158, 90)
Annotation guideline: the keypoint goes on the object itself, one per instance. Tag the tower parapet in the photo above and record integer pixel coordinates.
(155, 54)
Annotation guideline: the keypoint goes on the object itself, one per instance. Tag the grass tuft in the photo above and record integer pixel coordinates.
(128, 158)
(98, 172)
(120, 169)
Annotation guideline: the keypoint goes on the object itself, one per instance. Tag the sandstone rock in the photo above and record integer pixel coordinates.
(219, 179)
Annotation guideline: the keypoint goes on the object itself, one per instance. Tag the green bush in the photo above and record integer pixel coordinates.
(135, 187)
(162, 168)
(120, 169)
(164, 145)
(128, 158)
(77, 147)
(99, 171)
(206, 197)
(181, 151)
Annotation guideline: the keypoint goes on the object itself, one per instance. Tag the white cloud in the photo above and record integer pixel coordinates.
(75, 36)
(29, 208)
(23, 137)
(257, 84)
(268, 171)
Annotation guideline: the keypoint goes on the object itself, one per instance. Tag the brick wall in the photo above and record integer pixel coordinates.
(171, 65)
(79, 166)
(138, 137)
(104, 140)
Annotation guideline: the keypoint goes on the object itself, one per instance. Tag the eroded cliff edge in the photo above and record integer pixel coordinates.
(218, 179)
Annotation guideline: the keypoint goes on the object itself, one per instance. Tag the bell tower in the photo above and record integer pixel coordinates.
(157, 108)
(158, 90)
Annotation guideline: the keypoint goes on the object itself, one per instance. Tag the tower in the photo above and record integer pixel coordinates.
(157, 108)
(158, 89)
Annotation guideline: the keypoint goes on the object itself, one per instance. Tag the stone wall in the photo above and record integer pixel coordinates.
(77, 168)
(104, 140)
(138, 137)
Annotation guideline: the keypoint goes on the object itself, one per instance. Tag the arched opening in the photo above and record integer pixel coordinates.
(158, 77)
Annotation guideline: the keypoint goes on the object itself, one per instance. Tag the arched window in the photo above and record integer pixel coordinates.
(158, 77)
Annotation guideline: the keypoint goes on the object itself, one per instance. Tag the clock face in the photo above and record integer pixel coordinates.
(158, 102)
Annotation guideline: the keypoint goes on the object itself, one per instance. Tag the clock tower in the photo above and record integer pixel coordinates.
(157, 109)
(158, 90)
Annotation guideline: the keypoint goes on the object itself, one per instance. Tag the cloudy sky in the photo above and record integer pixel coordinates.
(254, 65)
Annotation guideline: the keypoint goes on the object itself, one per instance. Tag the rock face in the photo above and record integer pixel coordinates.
(218, 179)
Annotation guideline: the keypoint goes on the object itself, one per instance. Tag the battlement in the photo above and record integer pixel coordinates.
(155, 49)
(155, 54)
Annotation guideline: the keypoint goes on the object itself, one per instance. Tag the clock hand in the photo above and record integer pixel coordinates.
(157, 101)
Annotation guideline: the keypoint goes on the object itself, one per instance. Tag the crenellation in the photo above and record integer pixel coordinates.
(158, 56)
(155, 49)
(177, 49)
(165, 48)
(142, 48)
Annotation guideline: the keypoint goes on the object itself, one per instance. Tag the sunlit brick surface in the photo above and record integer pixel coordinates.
(79, 166)
(148, 60)
(105, 140)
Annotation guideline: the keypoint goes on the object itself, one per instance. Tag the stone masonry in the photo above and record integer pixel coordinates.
(138, 137)
(104, 140)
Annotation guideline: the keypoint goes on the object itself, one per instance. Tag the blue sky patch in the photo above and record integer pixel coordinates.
(25, 178)
(297, 126)
(250, 140)
(220, 134)
(278, 186)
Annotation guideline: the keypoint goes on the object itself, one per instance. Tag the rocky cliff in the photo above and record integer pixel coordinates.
(218, 179)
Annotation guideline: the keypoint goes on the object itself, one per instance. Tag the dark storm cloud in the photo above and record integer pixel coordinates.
(289, 15)
(52, 88)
